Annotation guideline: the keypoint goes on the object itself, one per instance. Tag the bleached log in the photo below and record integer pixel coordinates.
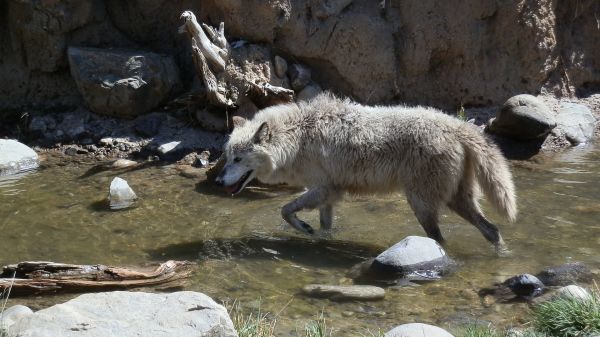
(216, 55)
(214, 92)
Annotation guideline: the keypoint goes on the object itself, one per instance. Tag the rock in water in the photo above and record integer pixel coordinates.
(121, 195)
(414, 257)
(127, 314)
(566, 274)
(417, 330)
(523, 117)
(577, 122)
(573, 292)
(344, 293)
(16, 157)
(525, 285)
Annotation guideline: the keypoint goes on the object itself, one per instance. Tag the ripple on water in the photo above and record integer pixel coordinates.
(53, 214)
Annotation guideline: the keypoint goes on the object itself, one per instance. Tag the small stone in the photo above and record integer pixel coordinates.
(92, 148)
(73, 124)
(523, 117)
(525, 285)
(299, 76)
(281, 66)
(71, 151)
(168, 147)
(574, 292)
(203, 159)
(123, 163)
(107, 141)
(120, 194)
(417, 330)
(344, 293)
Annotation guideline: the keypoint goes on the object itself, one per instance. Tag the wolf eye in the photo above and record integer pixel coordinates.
(237, 159)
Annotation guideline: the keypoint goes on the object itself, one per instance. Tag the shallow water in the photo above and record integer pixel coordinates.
(245, 254)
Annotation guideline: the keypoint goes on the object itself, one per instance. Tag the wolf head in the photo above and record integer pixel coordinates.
(247, 154)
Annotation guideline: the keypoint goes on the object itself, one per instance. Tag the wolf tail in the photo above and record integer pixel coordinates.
(492, 172)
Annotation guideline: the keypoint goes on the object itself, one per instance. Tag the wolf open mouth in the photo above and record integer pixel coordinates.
(238, 185)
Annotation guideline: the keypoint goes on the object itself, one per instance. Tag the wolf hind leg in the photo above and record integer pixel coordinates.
(320, 197)
(326, 216)
(464, 203)
(427, 215)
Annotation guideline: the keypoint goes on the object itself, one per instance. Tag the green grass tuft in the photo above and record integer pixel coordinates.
(569, 317)
(257, 324)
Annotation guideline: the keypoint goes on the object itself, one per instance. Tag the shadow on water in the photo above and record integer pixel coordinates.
(306, 251)
(254, 191)
(96, 169)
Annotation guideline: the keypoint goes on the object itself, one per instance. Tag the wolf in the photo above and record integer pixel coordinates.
(333, 146)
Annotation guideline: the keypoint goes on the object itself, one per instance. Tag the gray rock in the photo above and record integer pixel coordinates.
(122, 83)
(107, 141)
(127, 314)
(281, 66)
(73, 124)
(344, 293)
(417, 330)
(13, 314)
(577, 122)
(523, 117)
(123, 163)
(413, 257)
(309, 92)
(572, 291)
(16, 157)
(565, 274)
(525, 285)
(120, 195)
(299, 76)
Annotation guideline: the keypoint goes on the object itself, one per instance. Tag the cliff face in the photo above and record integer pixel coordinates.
(442, 53)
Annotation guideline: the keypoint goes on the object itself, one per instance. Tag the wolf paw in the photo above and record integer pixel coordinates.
(306, 227)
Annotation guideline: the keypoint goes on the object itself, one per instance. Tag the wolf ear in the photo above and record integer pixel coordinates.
(263, 135)
(238, 121)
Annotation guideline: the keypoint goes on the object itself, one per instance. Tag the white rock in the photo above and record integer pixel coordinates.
(167, 147)
(572, 291)
(417, 330)
(13, 314)
(126, 314)
(120, 194)
(414, 253)
(16, 157)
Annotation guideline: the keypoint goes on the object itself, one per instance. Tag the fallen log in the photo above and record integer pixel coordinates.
(38, 277)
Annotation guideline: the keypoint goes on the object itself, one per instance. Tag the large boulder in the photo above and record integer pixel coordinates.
(414, 257)
(417, 330)
(122, 83)
(16, 157)
(577, 122)
(523, 117)
(525, 285)
(126, 314)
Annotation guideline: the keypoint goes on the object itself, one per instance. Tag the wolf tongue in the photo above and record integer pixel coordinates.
(232, 188)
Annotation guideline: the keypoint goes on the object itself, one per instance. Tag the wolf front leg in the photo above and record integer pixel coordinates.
(320, 197)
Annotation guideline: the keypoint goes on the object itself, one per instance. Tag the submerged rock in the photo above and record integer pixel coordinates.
(344, 293)
(122, 313)
(16, 157)
(417, 330)
(121, 195)
(523, 117)
(525, 285)
(414, 257)
(566, 274)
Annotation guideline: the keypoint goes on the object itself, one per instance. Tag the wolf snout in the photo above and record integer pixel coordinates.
(219, 180)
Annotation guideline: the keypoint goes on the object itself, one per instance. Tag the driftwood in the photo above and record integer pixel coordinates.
(34, 277)
(215, 65)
